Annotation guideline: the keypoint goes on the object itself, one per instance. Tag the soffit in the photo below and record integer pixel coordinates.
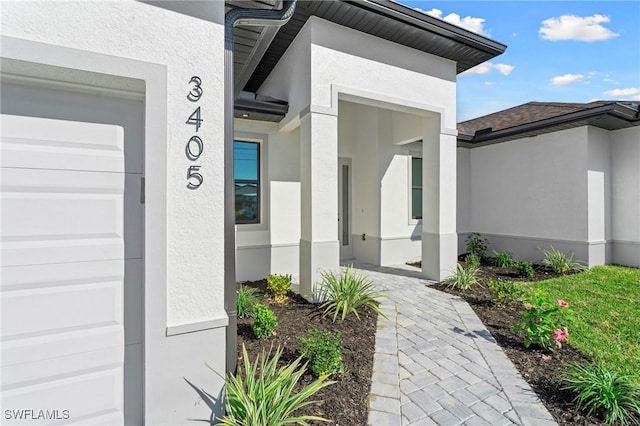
(385, 19)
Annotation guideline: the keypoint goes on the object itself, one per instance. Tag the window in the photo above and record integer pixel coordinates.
(246, 164)
(416, 188)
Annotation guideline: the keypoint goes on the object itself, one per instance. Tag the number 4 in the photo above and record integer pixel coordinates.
(195, 119)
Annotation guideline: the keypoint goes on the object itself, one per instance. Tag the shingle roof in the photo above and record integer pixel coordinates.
(536, 118)
(524, 114)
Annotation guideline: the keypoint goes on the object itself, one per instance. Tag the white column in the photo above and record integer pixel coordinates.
(319, 246)
(439, 238)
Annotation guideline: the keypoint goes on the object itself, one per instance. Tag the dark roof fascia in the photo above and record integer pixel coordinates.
(275, 110)
(616, 109)
(405, 14)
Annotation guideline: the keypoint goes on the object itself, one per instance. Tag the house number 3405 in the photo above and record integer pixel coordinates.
(195, 146)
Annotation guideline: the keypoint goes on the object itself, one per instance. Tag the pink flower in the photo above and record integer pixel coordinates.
(560, 335)
(562, 303)
(546, 358)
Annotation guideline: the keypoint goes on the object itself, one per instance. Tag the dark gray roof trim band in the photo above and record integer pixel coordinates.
(418, 19)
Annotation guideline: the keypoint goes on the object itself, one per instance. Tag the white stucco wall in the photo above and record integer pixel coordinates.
(577, 190)
(389, 89)
(598, 195)
(184, 255)
(534, 190)
(464, 210)
(625, 196)
(325, 54)
(272, 245)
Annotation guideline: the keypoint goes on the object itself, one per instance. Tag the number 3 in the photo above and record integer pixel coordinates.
(192, 173)
(196, 92)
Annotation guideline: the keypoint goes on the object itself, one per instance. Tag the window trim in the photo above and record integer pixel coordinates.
(260, 204)
(411, 156)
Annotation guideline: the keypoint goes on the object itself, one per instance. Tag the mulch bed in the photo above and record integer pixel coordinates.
(543, 376)
(345, 402)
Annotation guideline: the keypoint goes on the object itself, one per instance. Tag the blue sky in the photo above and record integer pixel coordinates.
(557, 51)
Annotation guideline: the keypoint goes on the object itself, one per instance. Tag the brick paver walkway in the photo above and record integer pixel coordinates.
(436, 363)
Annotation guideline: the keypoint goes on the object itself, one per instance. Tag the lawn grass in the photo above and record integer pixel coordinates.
(606, 304)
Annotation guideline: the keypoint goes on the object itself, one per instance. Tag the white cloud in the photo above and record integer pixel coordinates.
(504, 69)
(631, 91)
(487, 67)
(475, 25)
(483, 68)
(563, 80)
(572, 27)
(629, 94)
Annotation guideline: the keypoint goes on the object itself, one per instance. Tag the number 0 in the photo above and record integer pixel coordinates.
(193, 156)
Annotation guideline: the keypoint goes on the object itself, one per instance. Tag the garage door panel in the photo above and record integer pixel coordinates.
(35, 348)
(15, 253)
(43, 216)
(85, 394)
(61, 145)
(63, 267)
(38, 374)
(58, 309)
(53, 216)
(26, 100)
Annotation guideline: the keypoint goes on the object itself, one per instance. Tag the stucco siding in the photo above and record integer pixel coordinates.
(464, 212)
(625, 196)
(271, 246)
(184, 228)
(534, 190)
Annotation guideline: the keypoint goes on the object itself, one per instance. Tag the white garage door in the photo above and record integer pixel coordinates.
(72, 258)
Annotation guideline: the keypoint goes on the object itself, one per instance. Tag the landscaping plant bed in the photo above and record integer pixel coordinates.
(346, 401)
(541, 369)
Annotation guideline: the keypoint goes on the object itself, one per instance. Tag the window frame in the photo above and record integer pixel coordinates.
(411, 157)
(258, 182)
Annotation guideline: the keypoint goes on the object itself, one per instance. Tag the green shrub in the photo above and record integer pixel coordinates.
(463, 278)
(503, 259)
(505, 291)
(346, 293)
(264, 395)
(599, 388)
(545, 323)
(472, 259)
(323, 350)
(525, 269)
(264, 321)
(278, 286)
(560, 263)
(477, 244)
(246, 301)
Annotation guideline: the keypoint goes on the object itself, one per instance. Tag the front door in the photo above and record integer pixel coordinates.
(344, 208)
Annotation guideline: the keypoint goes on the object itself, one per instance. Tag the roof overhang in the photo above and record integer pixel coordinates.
(250, 106)
(387, 20)
(613, 116)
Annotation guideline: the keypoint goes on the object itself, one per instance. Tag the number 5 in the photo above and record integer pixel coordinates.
(192, 173)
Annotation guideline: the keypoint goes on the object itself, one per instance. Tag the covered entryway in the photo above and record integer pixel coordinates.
(72, 254)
